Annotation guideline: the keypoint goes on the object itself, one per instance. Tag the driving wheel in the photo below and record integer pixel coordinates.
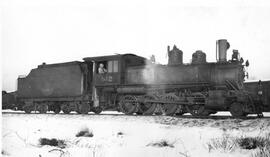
(169, 108)
(128, 104)
(147, 108)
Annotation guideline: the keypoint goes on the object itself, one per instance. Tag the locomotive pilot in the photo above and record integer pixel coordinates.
(101, 69)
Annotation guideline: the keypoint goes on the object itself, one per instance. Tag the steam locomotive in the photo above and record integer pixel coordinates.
(135, 85)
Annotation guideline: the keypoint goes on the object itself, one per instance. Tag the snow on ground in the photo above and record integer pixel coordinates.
(121, 136)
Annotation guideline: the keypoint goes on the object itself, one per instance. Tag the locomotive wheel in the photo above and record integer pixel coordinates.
(42, 108)
(236, 110)
(65, 108)
(181, 110)
(97, 110)
(56, 109)
(84, 108)
(27, 109)
(128, 104)
(77, 109)
(169, 109)
(158, 110)
(197, 110)
(147, 108)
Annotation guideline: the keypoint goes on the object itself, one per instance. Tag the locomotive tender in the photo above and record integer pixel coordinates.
(132, 84)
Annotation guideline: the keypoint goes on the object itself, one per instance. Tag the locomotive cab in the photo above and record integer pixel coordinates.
(110, 70)
(106, 70)
(108, 75)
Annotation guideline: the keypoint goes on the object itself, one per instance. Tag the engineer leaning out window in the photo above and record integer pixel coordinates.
(101, 69)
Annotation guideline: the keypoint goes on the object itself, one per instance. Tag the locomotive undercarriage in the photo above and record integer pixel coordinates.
(194, 103)
(156, 102)
(81, 107)
(167, 104)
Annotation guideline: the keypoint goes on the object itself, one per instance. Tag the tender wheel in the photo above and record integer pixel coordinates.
(181, 110)
(77, 110)
(27, 109)
(158, 111)
(236, 110)
(84, 108)
(128, 104)
(97, 110)
(167, 108)
(197, 110)
(147, 108)
(56, 109)
(42, 108)
(65, 108)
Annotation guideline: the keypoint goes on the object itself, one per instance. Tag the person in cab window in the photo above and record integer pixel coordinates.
(101, 69)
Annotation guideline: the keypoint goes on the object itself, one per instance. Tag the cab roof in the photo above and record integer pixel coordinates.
(111, 57)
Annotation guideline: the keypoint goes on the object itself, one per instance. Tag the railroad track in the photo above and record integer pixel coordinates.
(218, 117)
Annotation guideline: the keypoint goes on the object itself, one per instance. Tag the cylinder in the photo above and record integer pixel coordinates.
(198, 57)
(175, 56)
(222, 47)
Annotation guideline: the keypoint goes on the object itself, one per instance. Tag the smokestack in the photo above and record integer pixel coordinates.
(168, 48)
(222, 46)
(175, 56)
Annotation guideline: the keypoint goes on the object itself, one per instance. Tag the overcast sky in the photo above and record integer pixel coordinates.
(54, 31)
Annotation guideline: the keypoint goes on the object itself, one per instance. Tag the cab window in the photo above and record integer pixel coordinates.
(107, 67)
(102, 67)
(113, 66)
(110, 66)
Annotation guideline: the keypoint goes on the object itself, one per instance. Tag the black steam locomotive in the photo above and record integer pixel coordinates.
(133, 84)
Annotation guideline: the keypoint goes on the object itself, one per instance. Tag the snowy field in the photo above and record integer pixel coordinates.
(116, 135)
